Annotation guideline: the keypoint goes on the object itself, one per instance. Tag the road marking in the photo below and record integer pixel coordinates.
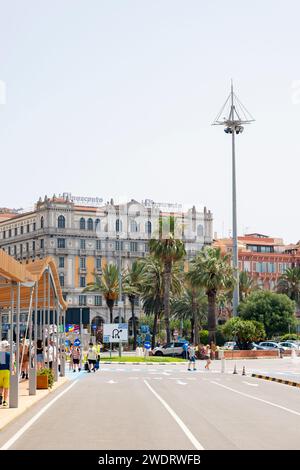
(133, 378)
(181, 383)
(248, 383)
(258, 399)
(26, 426)
(111, 382)
(180, 423)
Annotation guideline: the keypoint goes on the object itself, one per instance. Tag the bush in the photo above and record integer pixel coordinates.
(48, 372)
(203, 336)
(290, 336)
(244, 332)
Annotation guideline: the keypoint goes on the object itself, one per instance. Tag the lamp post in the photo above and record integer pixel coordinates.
(120, 303)
(234, 116)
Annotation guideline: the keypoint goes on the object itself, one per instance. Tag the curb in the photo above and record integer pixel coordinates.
(275, 379)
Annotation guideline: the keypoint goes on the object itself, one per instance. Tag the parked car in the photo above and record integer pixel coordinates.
(229, 345)
(289, 345)
(271, 345)
(170, 349)
(258, 347)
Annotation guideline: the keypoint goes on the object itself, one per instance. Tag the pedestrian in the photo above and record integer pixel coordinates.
(207, 357)
(213, 349)
(39, 354)
(24, 359)
(92, 357)
(75, 353)
(70, 357)
(4, 373)
(191, 356)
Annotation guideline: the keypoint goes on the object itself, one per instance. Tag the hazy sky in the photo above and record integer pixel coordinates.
(117, 97)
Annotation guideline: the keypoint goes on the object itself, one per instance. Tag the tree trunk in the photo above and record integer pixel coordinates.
(192, 330)
(211, 295)
(131, 300)
(154, 329)
(167, 285)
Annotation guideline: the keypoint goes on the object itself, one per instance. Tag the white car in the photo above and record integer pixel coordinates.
(229, 345)
(289, 345)
(170, 349)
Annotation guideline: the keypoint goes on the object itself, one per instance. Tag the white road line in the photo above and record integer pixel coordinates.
(26, 426)
(180, 423)
(248, 383)
(257, 399)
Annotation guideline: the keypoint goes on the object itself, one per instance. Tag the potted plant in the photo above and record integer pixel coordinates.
(44, 378)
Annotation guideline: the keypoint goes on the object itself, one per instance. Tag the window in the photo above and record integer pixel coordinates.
(90, 224)
(34, 226)
(27, 247)
(61, 222)
(200, 231)
(42, 245)
(133, 246)
(118, 225)
(16, 231)
(82, 281)
(82, 244)
(119, 245)
(146, 248)
(98, 244)
(21, 248)
(98, 263)
(33, 246)
(15, 250)
(98, 300)
(28, 228)
(82, 263)
(61, 243)
(61, 262)
(148, 227)
(9, 250)
(133, 226)
(82, 224)
(42, 222)
(271, 268)
(97, 224)
(246, 266)
(22, 229)
(82, 300)
(62, 280)
(9, 233)
(4, 234)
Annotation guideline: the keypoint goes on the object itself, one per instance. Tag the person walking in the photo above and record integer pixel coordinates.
(4, 373)
(24, 358)
(92, 357)
(39, 354)
(213, 349)
(76, 358)
(207, 357)
(191, 357)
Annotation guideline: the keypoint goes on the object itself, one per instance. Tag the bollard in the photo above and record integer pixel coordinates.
(221, 356)
(234, 370)
(244, 371)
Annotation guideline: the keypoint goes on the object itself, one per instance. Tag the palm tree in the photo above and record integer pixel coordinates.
(192, 305)
(212, 271)
(108, 284)
(168, 250)
(246, 285)
(289, 284)
(132, 287)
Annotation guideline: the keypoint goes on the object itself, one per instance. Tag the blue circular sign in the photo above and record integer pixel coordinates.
(77, 342)
(94, 327)
(186, 345)
(147, 345)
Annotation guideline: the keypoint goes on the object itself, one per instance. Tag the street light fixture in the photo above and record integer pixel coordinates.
(234, 116)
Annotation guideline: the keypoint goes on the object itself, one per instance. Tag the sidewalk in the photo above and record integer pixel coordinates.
(26, 401)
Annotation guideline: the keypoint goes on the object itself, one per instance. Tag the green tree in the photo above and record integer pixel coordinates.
(244, 332)
(132, 281)
(213, 272)
(246, 285)
(275, 311)
(108, 285)
(168, 249)
(289, 284)
(192, 306)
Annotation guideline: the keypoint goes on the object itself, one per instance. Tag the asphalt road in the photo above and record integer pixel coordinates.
(161, 407)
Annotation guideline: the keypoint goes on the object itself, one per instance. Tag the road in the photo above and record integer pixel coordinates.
(160, 407)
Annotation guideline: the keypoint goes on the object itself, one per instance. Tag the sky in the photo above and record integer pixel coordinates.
(115, 99)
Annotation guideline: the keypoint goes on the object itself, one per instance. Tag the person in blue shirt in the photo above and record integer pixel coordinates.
(4, 373)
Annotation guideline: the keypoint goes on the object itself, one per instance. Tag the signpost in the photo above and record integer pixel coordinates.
(115, 332)
(147, 346)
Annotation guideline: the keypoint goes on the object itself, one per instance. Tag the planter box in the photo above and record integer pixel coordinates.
(41, 382)
(251, 354)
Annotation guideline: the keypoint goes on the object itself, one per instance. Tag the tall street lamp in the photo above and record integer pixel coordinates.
(234, 116)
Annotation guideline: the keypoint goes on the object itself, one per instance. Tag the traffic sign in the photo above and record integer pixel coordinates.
(147, 345)
(185, 345)
(115, 332)
(77, 342)
(144, 328)
(94, 327)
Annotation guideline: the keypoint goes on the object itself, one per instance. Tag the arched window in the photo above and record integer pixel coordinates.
(148, 227)
(200, 231)
(90, 224)
(42, 222)
(82, 223)
(96, 323)
(118, 225)
(61, 222)
(97, 224)
(133, 226)
(62, 280)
